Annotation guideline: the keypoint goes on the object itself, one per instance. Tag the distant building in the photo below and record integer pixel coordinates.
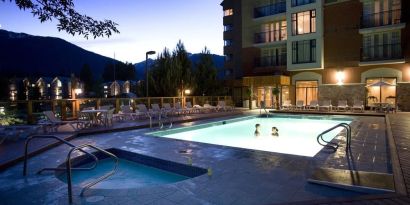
(118, 87)
(43, 88)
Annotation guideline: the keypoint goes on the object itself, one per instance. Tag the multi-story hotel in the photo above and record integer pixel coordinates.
(318, 49)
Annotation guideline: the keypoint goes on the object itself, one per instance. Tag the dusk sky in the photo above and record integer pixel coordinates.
(144, 25)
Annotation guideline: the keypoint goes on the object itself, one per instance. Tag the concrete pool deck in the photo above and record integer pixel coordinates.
(239, 176)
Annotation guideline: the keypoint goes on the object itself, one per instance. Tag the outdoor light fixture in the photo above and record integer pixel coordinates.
(146, 69)
(2, 110)
(78, 91)
(187, 91)
(340, 76)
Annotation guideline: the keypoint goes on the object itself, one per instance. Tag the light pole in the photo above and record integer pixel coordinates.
(146, 70)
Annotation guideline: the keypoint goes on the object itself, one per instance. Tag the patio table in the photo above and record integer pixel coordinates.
(93, 115)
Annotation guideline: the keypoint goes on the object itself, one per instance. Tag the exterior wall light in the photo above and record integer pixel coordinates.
(340, 77)
(187, 91)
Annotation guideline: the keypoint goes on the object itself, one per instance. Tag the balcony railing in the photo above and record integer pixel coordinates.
(270, 36)
(381, 52)
(302, 2)
(271, 61)
(382, 19)
(269, 10)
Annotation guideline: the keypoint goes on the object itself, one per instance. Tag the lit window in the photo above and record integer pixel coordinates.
(228, 42)
(304, 22)
(228, 27)
(59, 84)
(228, 12)
(304, 51)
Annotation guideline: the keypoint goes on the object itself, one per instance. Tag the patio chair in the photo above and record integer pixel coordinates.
(106, 118)
(188, 108)
(166, 107)
(358, 105)
(178, 109)
(143, 110)
(55, 122)
(209, 107)
(313, 105)
(222, 106)
(342, 105)
(300, 104)
(126, 112)
(326, 104)
(155, 109)
(287, 105)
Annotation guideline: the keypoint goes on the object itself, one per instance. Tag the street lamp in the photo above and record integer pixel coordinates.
(146, 69)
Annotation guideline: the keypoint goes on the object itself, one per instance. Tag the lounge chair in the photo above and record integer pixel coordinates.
(358, 105)
(326, 104)
(106, 118)
(143, 110)
(155, 109)
(126, 112)
(188, 108)
(287, 105)
(55, 122)
(209, 107)
(342, 105)
(166, 107)
(222, 106)
(300, 104)
(313, 105)
(178, 109)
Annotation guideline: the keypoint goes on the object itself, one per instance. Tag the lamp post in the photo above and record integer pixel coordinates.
(146, 69)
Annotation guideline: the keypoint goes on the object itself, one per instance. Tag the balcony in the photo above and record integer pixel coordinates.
(269, 10)
(384, 52)
(384, 18)
(271, 61)
(270, 36)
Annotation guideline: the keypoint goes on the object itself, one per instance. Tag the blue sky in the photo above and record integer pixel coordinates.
(144, 25)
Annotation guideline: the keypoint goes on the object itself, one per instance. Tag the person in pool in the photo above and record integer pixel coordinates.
(257, 126)
(275, 131)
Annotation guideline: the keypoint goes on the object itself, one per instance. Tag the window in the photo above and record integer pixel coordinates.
(304, 22)
(228, 42)
(228, 57)
(228, 12)
(228, 27)
(304, 51)
(381, 46)
(274, 31)
(302, 2)
(306, 91)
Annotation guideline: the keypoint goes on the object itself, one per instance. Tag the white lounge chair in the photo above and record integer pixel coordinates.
(358, 105)
(342, 105)
(300, 104)
(313, 105)
(56, 122)
(106, 118)
(209, 107)
(143, 110)
(326, 104)
(223, 107)
(127, 112)
(287, 105)
(166, 107)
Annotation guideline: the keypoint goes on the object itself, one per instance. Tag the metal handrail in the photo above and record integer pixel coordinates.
(163, 115)
(68, 168)
(333, 145)
(53, 169)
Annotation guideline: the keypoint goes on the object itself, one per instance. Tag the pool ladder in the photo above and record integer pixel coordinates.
(69, 167)
(162, 118)
(332, 145)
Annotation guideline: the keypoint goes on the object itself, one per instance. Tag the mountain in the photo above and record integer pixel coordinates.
(26, 55)
(218, 62)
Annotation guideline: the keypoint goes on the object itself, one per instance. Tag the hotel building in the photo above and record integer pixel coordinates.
(318, 50)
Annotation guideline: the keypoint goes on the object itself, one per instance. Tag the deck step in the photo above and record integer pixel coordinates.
(360, 181)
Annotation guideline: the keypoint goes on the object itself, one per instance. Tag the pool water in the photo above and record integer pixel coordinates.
(297, 136)
(128, 175)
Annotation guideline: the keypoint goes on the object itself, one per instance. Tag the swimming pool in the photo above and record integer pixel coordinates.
(297, 134)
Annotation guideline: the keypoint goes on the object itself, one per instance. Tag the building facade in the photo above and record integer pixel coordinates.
(318, 49)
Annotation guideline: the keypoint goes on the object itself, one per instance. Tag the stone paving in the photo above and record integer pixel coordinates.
(239, 176)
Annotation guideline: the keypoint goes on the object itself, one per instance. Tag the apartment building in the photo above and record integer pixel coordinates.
(318, 49)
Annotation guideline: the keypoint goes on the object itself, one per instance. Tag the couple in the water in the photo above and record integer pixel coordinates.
(275, 130)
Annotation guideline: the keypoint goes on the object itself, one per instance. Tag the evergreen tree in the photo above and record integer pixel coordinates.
(205, 75)
(86, 76)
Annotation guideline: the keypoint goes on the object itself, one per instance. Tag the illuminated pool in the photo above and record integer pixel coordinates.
(297, 134)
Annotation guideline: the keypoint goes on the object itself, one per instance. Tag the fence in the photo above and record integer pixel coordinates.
(31, 110)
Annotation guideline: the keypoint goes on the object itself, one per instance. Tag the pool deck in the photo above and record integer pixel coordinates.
(239, 176)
